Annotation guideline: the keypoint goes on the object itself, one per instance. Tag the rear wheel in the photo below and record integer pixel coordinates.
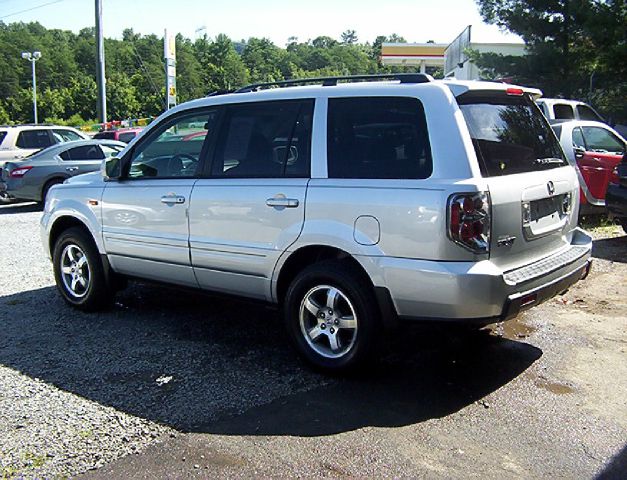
(623, 223)
(332, 317)
(79, 272)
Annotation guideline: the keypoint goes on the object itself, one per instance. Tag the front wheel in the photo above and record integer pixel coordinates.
(332, 317)
(79, 272)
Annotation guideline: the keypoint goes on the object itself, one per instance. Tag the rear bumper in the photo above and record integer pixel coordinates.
(13, 189)
(616, 201)
(477, 292)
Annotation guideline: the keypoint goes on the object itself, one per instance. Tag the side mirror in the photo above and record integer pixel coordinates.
(111, 168)
(579, 152)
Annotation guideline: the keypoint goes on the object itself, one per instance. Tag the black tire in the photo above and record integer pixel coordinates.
(356, 293)
(48, 186)
(97, 293)
(623, 223)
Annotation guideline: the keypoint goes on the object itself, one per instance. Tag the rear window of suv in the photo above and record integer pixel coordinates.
(377, 137)
(510, 134)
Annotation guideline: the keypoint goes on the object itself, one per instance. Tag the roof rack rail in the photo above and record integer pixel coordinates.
(332, 81)
(219, 92)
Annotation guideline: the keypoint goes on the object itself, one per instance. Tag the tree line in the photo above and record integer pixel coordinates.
(135, 75)
(575, 49)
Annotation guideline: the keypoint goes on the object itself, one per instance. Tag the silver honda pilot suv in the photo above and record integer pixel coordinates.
(352, 203)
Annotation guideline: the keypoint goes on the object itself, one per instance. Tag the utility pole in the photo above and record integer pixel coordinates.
(100, 65)
(32, 58)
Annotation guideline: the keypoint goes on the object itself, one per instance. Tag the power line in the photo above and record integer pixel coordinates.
(147, 73)
(30, 9)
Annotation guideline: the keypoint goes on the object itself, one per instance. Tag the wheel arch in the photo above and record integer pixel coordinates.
(61, 224)
(53, 178)
(301, 258)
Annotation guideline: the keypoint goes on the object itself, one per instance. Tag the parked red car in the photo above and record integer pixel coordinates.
(120, 134)
(596, 149)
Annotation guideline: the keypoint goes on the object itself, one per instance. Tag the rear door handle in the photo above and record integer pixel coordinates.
(282, 202)
(71, 169)
(172, 199)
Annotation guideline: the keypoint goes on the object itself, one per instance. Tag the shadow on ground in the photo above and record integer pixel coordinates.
(207, 364)
(13, 208)
(613, 249)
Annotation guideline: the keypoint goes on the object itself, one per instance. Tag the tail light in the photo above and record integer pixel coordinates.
(469, 221)
(19, 172)
(614, 176)
(515, 91)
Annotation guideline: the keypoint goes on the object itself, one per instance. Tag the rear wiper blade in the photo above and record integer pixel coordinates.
(548, 160)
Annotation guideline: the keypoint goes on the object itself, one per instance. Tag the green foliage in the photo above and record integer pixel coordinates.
(135, 69)
(575, 49)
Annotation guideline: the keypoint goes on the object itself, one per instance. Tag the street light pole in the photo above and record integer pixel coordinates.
(32, 58)
(100, 65)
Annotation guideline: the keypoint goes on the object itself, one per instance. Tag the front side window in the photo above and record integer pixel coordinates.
(33, 139)
(62, 136)
(110, 150)
(510, 134)
(586, 113)
(377, 137)
(601, 141)
(265, 140)
(563, 111)
(83, 153)
(173, 150)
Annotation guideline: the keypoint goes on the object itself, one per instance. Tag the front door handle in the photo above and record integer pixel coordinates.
(71, 169)
(281, 201)
(172, 199)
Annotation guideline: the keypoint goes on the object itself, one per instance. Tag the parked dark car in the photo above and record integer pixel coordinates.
(32, 177)
(616, 196)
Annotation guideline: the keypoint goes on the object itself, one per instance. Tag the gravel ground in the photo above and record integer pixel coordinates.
(177, 384)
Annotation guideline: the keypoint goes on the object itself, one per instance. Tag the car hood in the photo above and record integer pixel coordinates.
(91, 179)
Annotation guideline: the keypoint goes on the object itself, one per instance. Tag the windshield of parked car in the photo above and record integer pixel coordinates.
(105, 136)
(510, 134)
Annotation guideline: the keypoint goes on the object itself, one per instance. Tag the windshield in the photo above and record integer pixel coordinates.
(510, 134)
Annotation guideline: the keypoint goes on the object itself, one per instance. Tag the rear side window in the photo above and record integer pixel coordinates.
(127, 137)
(2, 135)
(563, 111)
(266, 139)
(83, 153)
(33, 139)
(586, 113)
(510, 135)
(377, 137)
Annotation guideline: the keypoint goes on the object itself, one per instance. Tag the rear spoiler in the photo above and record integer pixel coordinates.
(459, 87)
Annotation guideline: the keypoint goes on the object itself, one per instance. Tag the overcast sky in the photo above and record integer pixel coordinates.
(417, 21)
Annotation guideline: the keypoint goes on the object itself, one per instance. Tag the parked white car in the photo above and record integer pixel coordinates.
(559, 109)
(19, 141)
